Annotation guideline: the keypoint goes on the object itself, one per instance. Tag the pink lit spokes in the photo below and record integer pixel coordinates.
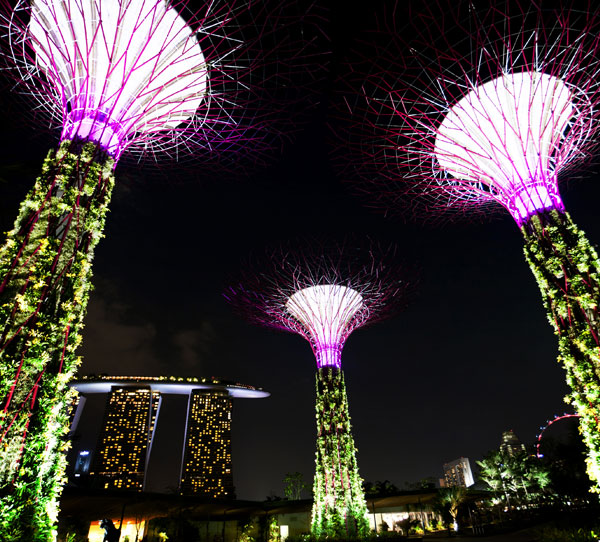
(507, 134)
(323, 290)
(403, 85)
(120, 66)
(325, 311)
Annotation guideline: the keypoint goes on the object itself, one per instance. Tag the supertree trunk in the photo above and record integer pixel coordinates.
(323, 292)
(339, 507)
(45, 272)
(567, 269)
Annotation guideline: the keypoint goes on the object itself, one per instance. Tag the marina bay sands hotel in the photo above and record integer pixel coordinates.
(132, 409)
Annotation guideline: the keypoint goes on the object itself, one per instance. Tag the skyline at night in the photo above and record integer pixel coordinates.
(471, 357)
(121, 447)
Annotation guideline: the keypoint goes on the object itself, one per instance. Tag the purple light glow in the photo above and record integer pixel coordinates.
(323, 292)
(94, 126)
(325, 311)
(328, 355)
(505, 138)
(481, 105)
(120, 67)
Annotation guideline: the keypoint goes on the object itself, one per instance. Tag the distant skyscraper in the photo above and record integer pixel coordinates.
(128, 431)
(126, 437)
(458, 473)
(511, 444)
(206, 467)
(82, 464)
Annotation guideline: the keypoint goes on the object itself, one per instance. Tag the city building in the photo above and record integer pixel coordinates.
(511, 444)
(124, 446)
(206, 465)
(74, 409)
(458, 473)
(126, 438)
(82, 464)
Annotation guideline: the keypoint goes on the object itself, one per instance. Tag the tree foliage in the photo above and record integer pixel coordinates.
(448, 503)
(45, 272)
(339, 508)
(567, 270)
(514, 477)
(294, 485)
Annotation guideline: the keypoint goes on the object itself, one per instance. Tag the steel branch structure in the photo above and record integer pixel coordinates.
(116, 76)
(490, 106)
(324, 294)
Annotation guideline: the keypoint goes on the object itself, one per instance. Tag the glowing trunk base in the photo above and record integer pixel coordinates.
(567, 270)
(45, 270)
(339, 508)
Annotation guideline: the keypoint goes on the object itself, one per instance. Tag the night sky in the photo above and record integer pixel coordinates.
(471, 357)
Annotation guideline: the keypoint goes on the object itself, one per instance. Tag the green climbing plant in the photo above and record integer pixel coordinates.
(567, 268)
(45, 272)
(339, 508)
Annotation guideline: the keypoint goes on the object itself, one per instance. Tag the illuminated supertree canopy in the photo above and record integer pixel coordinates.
(165, 80)
(325, 312)
(489, 106)
(124, 85)
(324, 293)
(116, 76)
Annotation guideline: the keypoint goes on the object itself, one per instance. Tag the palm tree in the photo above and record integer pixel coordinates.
(448, 502)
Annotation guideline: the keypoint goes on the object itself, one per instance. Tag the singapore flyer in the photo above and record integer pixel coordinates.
(543, 428)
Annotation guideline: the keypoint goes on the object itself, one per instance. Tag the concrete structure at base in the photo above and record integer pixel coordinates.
(127, 434)
(458, 473)
(152, 516)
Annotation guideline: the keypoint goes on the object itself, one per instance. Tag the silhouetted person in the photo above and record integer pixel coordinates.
(111, 533)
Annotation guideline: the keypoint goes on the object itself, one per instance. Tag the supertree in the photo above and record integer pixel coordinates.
(323, 293)
(475, 106)
(116, 76)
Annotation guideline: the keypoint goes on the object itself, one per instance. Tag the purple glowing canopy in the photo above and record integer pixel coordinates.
(322, 291)
(326, 314)
(137, 78)
(117, 70)
(505, 137)
(123, 67)
(480, 107)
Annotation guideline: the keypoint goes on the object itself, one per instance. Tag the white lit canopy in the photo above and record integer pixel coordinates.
(120, 66)
(326, 312)
(507, 134)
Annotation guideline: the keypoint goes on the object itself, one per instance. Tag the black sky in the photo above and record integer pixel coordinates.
(472, 357)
